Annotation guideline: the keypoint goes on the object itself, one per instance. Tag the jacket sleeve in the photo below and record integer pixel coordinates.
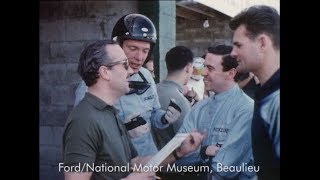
(189, 123)
(272, 117)
(236, 149)
(157, 112)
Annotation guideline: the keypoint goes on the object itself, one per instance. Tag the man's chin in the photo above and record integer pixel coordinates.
(127, 90)
(135, 69)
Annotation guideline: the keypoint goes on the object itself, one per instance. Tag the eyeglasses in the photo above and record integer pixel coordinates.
(124, 62)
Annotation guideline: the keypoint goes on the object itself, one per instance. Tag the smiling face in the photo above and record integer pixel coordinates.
(215, 79)
(245, 50)
(137, 52)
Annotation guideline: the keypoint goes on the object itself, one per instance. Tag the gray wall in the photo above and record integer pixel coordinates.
(190, 33)
(65, 29)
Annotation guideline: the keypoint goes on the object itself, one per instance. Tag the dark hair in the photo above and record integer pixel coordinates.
(220, 49)
(91, 58)
(178, 57)
(229, 62)
(257, 20)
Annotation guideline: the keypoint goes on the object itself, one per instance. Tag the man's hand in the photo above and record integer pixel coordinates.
(212, 150)
(136, 125)
(172, 114)
(191, 143)
(193, 94)
(140, 160)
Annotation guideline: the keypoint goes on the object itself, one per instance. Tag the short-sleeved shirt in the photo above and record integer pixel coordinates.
(93, 134)
(147, 104)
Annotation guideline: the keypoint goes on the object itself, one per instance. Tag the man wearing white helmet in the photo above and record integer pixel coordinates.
(195, 83)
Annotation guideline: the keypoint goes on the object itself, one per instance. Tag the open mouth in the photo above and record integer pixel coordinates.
(134, 65)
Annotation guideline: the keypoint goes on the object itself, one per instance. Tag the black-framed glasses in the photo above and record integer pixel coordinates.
(124, 62)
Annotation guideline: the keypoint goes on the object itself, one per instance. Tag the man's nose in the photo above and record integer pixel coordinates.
(140, 56)
(233, 53)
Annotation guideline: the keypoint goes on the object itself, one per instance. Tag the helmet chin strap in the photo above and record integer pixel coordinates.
(196, 78)
(138, 87)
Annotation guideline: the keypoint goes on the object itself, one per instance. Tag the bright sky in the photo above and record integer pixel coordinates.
(233, 7)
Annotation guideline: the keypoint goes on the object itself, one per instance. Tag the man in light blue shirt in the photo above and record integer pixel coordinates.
(226, 117)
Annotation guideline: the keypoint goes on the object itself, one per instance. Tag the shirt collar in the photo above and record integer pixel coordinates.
(98, 103)
(178, 86)
(225, 94)
(270, 86)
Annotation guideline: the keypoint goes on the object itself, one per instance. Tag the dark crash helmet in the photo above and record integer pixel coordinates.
(135, 27)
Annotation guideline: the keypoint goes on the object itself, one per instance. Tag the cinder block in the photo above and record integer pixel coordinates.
(62, 95)
(50, 135)
(83, 29)
(53, 115)
(50, 155)
(72, 76)
(52, 31)
(50, 172)
(44, 53)
(44, 95)
(53, 74)
(66, 49)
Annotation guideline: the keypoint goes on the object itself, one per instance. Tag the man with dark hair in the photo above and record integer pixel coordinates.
(95, 141)
(256, 42)
(86, 138)
(226, 116)
(179, 65)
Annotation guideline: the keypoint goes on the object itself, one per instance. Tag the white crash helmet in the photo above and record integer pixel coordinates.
(197, 68)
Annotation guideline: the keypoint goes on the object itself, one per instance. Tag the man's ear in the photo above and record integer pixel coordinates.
(104, 72)
(232, 73)
(189, 68)
(263, 41)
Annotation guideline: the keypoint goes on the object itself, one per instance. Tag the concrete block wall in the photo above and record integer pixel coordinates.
(192, 34)
(65, 28)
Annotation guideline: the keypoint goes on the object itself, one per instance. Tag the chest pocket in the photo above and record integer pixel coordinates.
(217, 135)
(148, 96)
(147, 99)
